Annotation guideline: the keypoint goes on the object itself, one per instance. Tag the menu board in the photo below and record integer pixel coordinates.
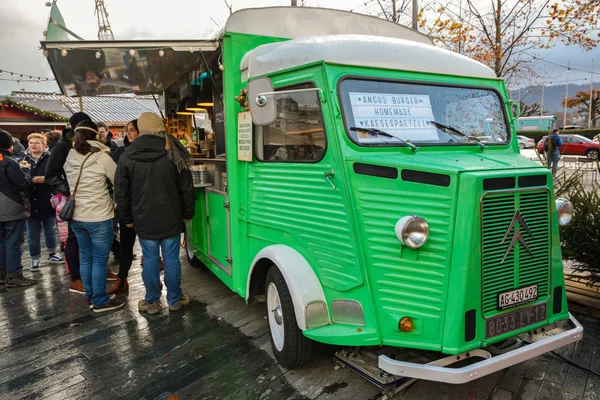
(405, 116)
(244, 136)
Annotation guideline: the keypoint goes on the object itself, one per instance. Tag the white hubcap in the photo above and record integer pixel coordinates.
(275, 313)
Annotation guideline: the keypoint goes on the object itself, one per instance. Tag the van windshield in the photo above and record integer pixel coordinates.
(423, 114)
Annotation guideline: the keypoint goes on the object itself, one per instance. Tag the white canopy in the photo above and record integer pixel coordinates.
(362, 51)
(302, 22)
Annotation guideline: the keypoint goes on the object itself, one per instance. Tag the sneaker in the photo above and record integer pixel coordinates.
(76, 287)
(91, 306)
(2, 278)
(55, 258)
(110, 306)
(150, 308)
(121, 285)
(111, 276)
(20, 281)
(35, 266)
(184, 301)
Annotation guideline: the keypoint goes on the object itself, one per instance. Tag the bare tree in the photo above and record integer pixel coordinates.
(581, 101)
(229, 6)
(504, 33)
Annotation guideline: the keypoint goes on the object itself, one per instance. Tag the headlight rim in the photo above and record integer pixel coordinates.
(561, 203)
(402, 225)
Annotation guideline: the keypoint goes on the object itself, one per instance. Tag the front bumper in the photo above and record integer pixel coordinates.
(438, 371)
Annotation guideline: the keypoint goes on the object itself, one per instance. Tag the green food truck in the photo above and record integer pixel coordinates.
(363, 183)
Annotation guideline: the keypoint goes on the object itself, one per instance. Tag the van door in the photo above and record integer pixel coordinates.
(297, 195)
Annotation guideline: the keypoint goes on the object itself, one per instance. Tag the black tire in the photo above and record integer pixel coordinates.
(592, 154)
(192, 259)
(296, 350)
(522, 146)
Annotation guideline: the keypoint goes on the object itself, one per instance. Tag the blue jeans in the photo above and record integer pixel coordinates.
(554, 156)
(34, 226)
(95, 240)
(11, 239)
(151, 272)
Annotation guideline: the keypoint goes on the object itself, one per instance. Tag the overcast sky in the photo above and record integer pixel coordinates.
(22, 23)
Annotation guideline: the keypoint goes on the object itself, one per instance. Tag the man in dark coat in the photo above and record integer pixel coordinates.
(14, 209)
(42, 213)
(57, 179)
(155, 195)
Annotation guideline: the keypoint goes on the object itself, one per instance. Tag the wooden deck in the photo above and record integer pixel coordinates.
(53, 347)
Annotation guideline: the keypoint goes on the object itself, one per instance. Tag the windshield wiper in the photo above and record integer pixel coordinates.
(383, 133)
(453, 131)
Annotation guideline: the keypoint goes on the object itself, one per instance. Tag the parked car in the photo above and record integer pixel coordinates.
(574, 127)
(575, 145)
(525, 142)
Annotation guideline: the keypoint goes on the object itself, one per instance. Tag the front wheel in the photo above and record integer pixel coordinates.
(290, 347)
(592, 154)
(192, 259)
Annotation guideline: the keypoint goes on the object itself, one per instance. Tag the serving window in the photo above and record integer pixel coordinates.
(298, 134)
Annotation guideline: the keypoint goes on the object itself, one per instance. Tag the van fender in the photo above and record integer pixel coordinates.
(301, 280)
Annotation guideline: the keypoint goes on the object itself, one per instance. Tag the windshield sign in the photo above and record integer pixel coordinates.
(422, 114)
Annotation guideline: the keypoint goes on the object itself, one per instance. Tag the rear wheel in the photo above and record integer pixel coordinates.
(192, 259)
(522, 146)
(592, 154)
(290, 347)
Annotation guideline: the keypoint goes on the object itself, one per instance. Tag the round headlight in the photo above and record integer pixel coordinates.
(412, 231)
(564, 208)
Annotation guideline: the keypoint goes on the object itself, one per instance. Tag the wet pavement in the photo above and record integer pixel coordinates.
(53, 347)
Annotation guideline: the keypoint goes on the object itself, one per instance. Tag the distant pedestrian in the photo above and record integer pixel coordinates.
(155, 196)
(18, 150)
(57, 179)
(88, 169)
(554, 142)
(14, 209)
(42, 213)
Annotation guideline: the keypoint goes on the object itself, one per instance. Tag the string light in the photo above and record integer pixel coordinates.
(161, 53)
(132, 52)
(64, 52)
(98, 54)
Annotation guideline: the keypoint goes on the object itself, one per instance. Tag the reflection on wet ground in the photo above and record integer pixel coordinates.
(53, 347)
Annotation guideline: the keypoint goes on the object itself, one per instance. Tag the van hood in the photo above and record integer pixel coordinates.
(446, 162)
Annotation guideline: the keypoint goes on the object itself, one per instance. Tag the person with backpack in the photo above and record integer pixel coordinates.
(552, 147)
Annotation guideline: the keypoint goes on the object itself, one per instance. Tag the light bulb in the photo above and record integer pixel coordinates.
(191, 49)
(63, 52)
(161, 53)
(221, 67)
(98, 54)
(132, 52)
(38, 81)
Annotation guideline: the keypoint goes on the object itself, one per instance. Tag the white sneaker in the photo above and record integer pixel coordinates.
(35, 266)
(55, 258)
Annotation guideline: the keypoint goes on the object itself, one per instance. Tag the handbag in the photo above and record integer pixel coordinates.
(68, 210)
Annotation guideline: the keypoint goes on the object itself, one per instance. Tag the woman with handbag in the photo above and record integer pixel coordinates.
(90, 210)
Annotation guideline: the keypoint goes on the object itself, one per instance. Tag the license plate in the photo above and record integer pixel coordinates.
(515, 320)
(517, 297)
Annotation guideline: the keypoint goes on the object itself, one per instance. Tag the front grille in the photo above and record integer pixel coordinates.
(519, 268)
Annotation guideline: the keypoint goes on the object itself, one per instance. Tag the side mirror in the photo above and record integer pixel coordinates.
(515, 109)
(262, 108)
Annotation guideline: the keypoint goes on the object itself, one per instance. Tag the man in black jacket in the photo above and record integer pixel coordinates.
(14, 209)
(155, 195)
(57, 179)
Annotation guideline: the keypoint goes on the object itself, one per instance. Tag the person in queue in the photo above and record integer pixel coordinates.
(88, 168)
(128, 234)
(56, 177)
(41, 212)
(52, 138)
(155, 195)
(14, 178)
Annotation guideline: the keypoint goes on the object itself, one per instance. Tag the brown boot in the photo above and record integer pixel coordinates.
(120, 285)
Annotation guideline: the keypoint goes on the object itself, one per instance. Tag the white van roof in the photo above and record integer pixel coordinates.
(363, 51)
(301, 22)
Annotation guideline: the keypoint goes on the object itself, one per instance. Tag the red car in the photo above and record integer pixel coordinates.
(575, 145)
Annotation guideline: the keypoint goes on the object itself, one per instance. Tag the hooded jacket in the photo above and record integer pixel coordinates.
(13, 180)
(93, 202)
(149, 191)
(39, 193)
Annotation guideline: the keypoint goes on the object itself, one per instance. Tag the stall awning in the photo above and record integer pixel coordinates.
(89, 68)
